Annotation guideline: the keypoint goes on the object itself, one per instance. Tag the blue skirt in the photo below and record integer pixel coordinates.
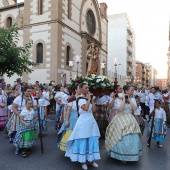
(159, 130)
(128, 149)
(72, 121)
(85, 150)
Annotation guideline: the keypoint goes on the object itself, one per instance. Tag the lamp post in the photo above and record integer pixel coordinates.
(77, 58)
(115, 64)
(102, 67)
(70, 63)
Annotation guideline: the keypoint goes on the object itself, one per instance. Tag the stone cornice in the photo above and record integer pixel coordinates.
(90, 38)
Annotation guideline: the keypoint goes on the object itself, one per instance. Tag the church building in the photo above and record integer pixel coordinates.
(60, 30)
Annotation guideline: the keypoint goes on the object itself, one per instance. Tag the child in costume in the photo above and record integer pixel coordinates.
(159, 125)
(25, 136)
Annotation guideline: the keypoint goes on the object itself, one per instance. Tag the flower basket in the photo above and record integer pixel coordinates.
(98, 85)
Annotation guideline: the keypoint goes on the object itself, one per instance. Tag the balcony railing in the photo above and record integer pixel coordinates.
(129, 50)
(129, 39)
(129, 30)
(129, 59)
(129, 69)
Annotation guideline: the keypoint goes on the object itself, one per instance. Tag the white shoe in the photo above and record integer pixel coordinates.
(84, 166)
(159, 145)
(95, 165)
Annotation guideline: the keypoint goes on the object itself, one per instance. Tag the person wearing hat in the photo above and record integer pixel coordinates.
(159, 125)
(3, 109)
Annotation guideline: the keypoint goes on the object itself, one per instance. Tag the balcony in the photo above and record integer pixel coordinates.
(129, 30)
(129, 50)
(129, 59)
(129, 69)
(129, 39)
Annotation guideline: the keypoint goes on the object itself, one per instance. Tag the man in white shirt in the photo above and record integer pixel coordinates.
(142, 96)
(154, 95)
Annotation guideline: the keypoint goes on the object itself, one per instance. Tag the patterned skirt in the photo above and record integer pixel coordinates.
(159, 130)
(101, 117)
(85, 150)
(25, 136)
(112, 114)
(3, 120)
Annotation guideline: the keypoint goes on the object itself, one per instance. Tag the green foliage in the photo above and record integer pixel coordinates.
(94, 82)
(14, 58)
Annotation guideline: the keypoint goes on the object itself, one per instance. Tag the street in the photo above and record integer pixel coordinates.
(53, 159)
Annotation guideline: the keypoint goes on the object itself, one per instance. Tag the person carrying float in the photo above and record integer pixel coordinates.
(83, 144)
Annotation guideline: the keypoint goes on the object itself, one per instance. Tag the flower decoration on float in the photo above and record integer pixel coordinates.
(94, 82)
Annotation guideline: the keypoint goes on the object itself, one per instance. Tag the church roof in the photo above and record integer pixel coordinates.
(12, 6)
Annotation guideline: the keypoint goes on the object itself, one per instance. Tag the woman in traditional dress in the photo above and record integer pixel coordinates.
(83, 144)
(123, 133)
(101, 113)
(17, 106)
(113, 104)
(25, 136)
(159, 124)
(3, 110)
(69, 123)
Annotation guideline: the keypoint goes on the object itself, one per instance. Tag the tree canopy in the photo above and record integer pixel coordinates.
(14, 58)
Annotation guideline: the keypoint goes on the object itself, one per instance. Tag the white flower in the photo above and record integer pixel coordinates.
(102, 78)
(98, 80)
(103, 85)
(85, 82)
(93, 76)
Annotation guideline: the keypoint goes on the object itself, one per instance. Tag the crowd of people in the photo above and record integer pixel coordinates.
(81, 118)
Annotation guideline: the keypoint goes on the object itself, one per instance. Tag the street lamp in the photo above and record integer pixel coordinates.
(115, 64)
(70, 63)
(78, 59)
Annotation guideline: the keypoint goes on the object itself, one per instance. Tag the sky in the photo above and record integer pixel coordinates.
(150, 21)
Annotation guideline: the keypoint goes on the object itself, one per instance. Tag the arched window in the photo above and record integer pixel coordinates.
(91, 22)
(69, 9)
(40, 7)
(39, 53)
(68, 55)
(9, 22)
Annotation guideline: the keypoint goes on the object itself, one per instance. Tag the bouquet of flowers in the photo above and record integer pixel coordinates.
(94, 82)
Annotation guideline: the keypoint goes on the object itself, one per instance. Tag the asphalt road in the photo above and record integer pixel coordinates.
(53, 159)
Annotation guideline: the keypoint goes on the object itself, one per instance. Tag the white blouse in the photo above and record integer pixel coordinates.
(115, 105)
(28, 115)
(127, 107)
(21, 103)
(137, 112)
(72, 105)
(103, 100)
(159, 114)
(82, 102)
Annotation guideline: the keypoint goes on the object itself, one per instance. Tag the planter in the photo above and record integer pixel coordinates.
(100, 91)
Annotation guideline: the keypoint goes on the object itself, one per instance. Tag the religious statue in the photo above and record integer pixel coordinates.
(92, 57)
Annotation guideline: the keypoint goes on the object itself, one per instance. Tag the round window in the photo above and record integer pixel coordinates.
(91, 23)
